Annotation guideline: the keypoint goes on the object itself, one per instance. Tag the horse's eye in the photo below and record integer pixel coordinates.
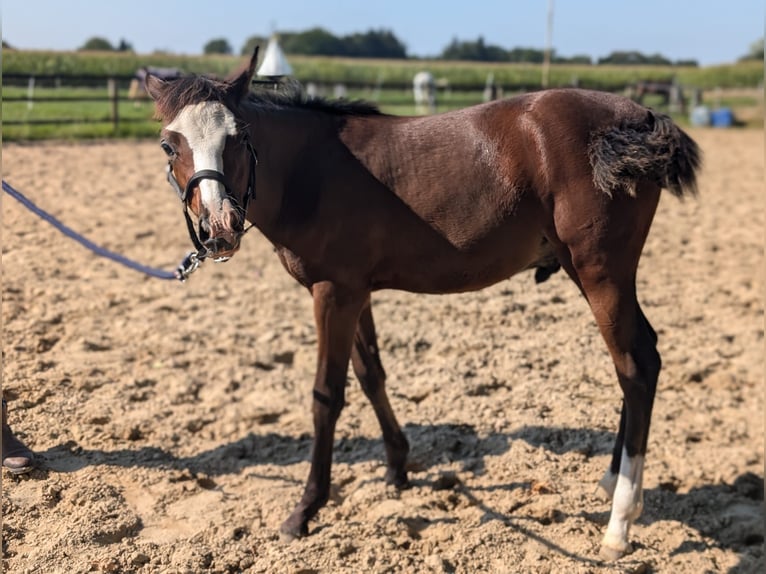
(166, 147)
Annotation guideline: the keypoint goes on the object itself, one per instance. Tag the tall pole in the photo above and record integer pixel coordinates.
(548, 43)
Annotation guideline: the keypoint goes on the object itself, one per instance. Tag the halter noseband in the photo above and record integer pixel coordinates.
(193, 260)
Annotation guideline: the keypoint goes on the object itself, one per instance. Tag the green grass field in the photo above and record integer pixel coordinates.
(93, 119)
(384, 82)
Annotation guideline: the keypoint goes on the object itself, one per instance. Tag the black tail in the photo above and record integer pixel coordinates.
(655, 149)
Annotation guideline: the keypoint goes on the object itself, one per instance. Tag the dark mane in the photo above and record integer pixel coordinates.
(292, 95)
(193, 89)
(187, 90)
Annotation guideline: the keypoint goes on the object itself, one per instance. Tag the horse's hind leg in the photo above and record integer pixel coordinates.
(365, 359)
(608, 482)
(637, 363)
(602, 258)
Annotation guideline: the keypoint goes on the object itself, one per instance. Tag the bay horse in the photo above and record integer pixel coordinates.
(355, 200)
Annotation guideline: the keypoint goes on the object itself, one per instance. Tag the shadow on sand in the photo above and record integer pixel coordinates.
(727, 514)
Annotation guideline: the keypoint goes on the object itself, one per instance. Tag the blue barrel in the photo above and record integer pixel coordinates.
(722, 118)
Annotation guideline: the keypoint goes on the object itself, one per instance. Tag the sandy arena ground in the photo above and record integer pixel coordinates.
(173, 421)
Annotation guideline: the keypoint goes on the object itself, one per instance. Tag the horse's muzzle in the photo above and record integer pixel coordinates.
(221, 241)
(222, 248)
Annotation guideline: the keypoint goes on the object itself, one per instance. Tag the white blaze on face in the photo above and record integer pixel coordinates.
(206, 126)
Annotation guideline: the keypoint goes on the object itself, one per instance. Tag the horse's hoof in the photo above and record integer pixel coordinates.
(611, 553)
(292, 530)
(398, 479)
(286, 537)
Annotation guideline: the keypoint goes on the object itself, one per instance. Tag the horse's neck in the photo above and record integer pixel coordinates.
(287, 143)
(288, 126)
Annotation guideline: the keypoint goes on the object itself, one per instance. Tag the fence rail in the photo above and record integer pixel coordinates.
(16, 79)
(90, 80)
(104, 106)
(119, 82)
(56, 81)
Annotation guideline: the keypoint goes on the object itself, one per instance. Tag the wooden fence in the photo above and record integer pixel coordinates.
(34, 82)
(38, 90)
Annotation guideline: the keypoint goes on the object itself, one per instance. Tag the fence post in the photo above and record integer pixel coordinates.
(31, 93)
(111, 86)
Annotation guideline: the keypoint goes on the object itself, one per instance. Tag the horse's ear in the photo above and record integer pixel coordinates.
(239, 87)
(154, 85)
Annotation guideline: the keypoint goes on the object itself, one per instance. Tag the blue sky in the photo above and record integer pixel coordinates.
(710, 31)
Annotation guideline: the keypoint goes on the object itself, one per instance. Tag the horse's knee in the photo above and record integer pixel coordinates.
(332, 404)
(648, 363)
(648, 325)
(639, 363)
(653, 366)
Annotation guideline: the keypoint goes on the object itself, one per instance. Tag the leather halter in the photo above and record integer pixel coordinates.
(194, 259)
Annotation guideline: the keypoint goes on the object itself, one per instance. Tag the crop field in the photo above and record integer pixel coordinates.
(399, 72)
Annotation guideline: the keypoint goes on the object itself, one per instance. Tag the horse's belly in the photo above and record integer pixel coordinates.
(456, 271)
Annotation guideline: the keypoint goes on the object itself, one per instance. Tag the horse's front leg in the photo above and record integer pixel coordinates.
(336, 312)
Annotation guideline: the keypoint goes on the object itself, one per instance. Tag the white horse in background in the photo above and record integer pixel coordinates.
(424, 90)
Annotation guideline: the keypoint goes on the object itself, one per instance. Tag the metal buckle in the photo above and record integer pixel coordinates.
(188, 266)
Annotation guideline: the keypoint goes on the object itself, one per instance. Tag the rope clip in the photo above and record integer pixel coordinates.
(188, 266)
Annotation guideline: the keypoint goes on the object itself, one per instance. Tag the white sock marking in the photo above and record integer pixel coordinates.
(627, 503)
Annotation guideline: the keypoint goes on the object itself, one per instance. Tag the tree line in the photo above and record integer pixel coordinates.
(384, 44)
(320, 42)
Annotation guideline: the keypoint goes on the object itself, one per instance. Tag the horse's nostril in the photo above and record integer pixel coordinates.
(218, 245)
(232, 220)
(215, 244)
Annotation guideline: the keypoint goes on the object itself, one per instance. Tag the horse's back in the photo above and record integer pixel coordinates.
(478, 191)
(605, 138)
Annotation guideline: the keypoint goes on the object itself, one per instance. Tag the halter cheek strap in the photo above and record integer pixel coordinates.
(195, 179)
(183, 194)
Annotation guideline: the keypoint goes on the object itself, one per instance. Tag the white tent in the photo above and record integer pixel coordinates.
(274, 63)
